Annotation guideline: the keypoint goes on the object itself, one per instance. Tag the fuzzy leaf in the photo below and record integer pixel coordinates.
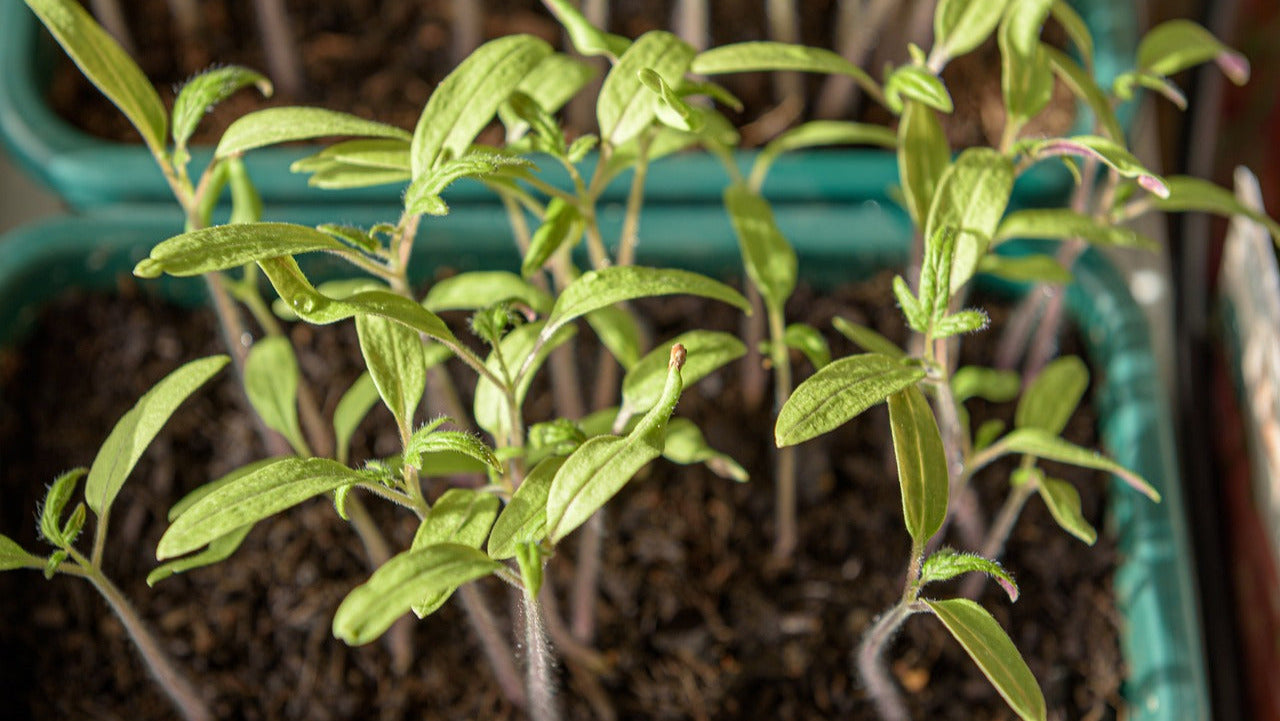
(1063, 501)
(247, 499)
(1062, 224)
(1176, 45)
(1188, 194)
(962, 25)
(107, 66)
(945, 564)
(971, 198)
(271, 383)
(199, 492)
(841, 390)
(997, 386)
(922, 463)
(912, 82)
(618, 331)
(138, 427)
(490, 405)
(625, 106)
(12, 555)
(989, 646)
(769, 259)
(923, 156)
(272, 126)
(524, 519)
(867, 339)
(54, 502)
(561, 226)
(1081, 83)
(1105, 151)
(1026, 77)
(965, 321)
(586, 38)
(671, 110)
(461, 515)
(202, 92)
(370, 609)
(428, 441)
(467, 99)
(1036, 442)
(769, 56)
(707, 350)
(230, 246)
(218, 550)
(393, 354)
(482, 289)
(1052, 397)
(686, 445)
(819, 133)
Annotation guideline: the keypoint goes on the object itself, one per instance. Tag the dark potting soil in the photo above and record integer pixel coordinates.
(381, 59)
(694, 621)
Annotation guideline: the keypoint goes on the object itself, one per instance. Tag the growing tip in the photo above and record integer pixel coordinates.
(1234, 65)
(678, 355)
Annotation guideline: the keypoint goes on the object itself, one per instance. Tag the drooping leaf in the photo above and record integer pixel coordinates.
(686, 445)
(1125, 84)
(819, 133)
(912, 82)
(769, 259)
(491, 411)
(770, 56)
(54, 502)
(12, 556)
(107, 66)
(599, 468)
(1026, 77)
(272, 126)
(1053, 395)
(481, 289)
(1081, 83)
(370, 609)
(922, 462)
(467, 99)
(1063, 501)
(841, 390)
(218, 550)
(707, 350)
(1188, 194)
(671, 110)
(394, 357)
(524, 519)
(997, 386)
(618, 331)
(625, 106)
(962, 25)
(231, 246)
(562, 226)
(271, 384)
(586, 38)
(1035, 268)
(1105, 151)
(867, 339)
(989, 646)
(923, 156)
(1064, 223)
(1176, 45)
(204, 91)
(971, 198)
(946, 563)
(136, 429)
(428, 441)
(1036, 442)
(250, 498)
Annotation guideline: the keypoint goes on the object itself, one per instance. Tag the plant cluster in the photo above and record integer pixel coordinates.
(541, 482)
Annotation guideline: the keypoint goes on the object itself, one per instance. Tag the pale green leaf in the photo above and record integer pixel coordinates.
(989, 646)
(922, 462)
(819, 133)
(55, 500)
(971, 198)
(337, 175)
(423, 195)
(551, 84)
(706, 351)
(1176, 45)
(13, 556)
(671, 110)
(1063, 224)
(965, 321)
(923, 156)
(1053, 395)
(230, 246)
(1026, 77)
(806, 339)
(218, 550)
(997, 386)
(1035, 268)
(769, 259)
(867, 339)
(1076, 29)
(204, 91)
(1038, 443)
(1106, 151)
(393, 354)
(516, 347)
(529, 559)
(524, 519)
(378, 153)
(912, 82)
(586, 38)
(1188, 194)
(250, 498)
(460, 515)
(272, 126)
(1123, 86)
(916, 315)
(246, 203)
(483, 289)
(199, 492)
(841, 390)
(625, 106)
(987, 433)
(370, 609)
(618, 331)
(271, 384)
(1063, 501)
(686, 445)
(107, 66)
(562, 226)
(962, 25)
(1083, 86)
(136, 429)
(428, 441)
(946, 563)
(769, 56)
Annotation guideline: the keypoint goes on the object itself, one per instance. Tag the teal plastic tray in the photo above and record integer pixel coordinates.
(89, 172)
(1155, 586)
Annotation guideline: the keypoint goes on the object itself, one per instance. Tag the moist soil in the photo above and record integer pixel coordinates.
(695, 622)
(381, 59)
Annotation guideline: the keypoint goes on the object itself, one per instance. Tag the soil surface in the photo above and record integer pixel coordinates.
(381, 59)
(694, 620)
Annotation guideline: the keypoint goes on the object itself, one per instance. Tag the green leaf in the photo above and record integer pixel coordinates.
(482, 289)
(997, 386)
(54, 503)
(524, 519)
(246, 204)
(599, 468)
(1188, 194)
(1063, 501)
(1038, 443)
(965, 321)
(428, 441)
(819, 133)
(1106, 151)
(337, 175)
(529, 559)
(138, 427)
(686, 445)
(769, 259)
(806, 339)
(1052, 397)
(946, 564)
(74, 523)
(987, 433)
(271, 383)
(107, 66)
(586, 38)
(989, 647)
(231, 246)
(1076, 29)
(54, 562)
(1035, 268)
(199, 492)
(867, 339)
(13, 556)
(671, 110)
(962, 25)
(971, 198)
(916, 315)
(272, 126)
(618, 331)
(625, 106)
(1081, 83)
(1026, 78)
(370, 609)
(922, 463)
(600, 288)
(218, 550)
(562, 226)
(423, 195)
(1062, 224)
(768, 56)
(935, 276)
(379, 153)
(204, 91)
(461, 515)
(841, 390)
(516, 349)
(467, 99)
(551, 84)
(706, 350)
(393, 354)
(912, 82)
(272, 488)
(1123, 87)
(1176, 45)
(923, 156)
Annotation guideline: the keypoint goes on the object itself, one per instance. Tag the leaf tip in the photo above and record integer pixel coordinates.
(148, 268)
(678, 356)
(1234, 65)
(1154, 185)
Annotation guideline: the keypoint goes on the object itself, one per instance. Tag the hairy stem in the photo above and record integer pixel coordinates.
(538, 664)
(875, 674)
